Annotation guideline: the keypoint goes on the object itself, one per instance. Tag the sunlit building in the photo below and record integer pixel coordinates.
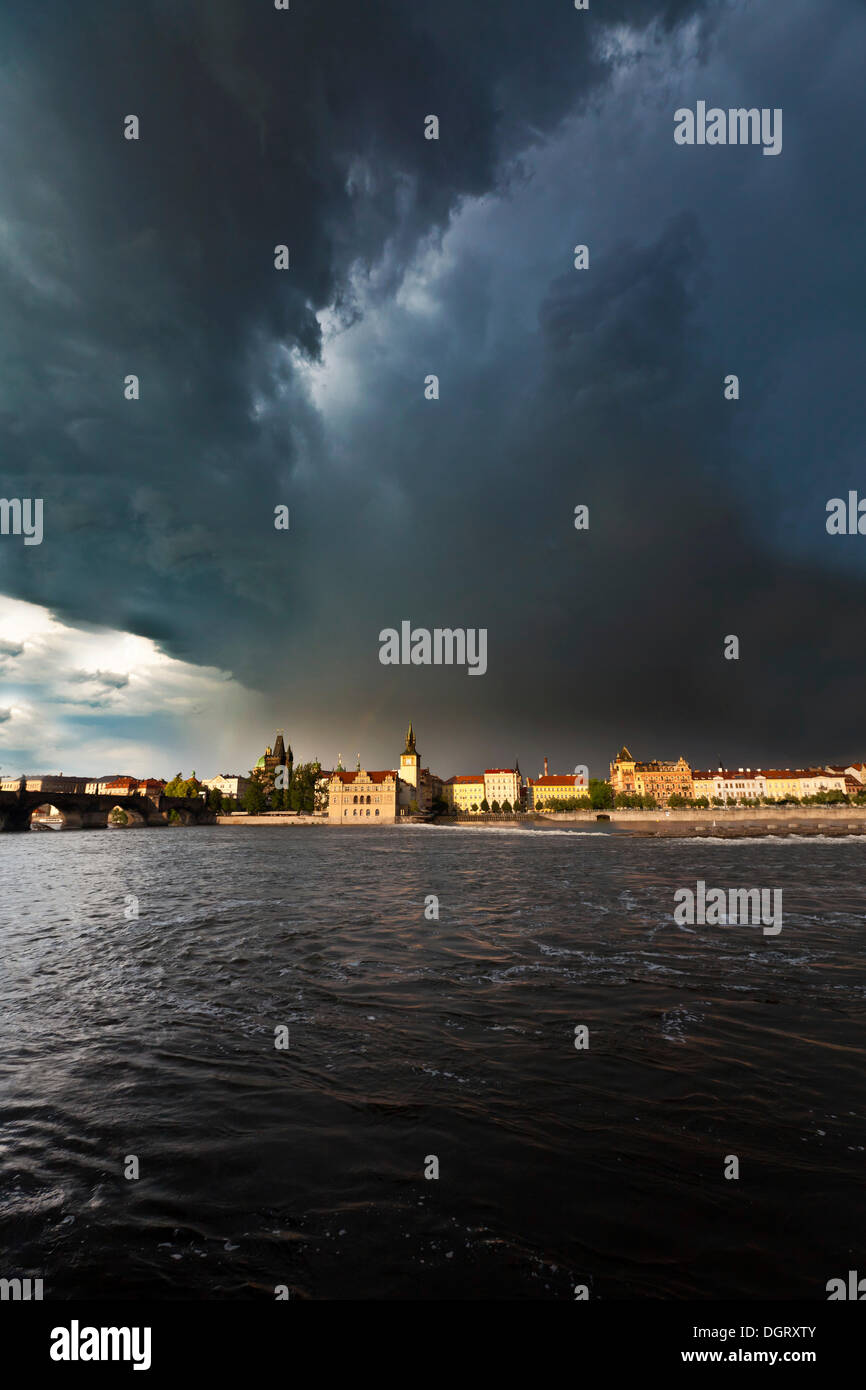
(464, 793)
(656, 779)
(365, 797)
(540, 791)
(503, 784)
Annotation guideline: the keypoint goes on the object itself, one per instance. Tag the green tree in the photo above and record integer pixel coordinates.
(600, 794)
(485, 804)
(303, 787)
(176, 786)
(254, 800)
(506, 806)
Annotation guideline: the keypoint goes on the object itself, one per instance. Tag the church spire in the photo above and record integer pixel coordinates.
(410, 741)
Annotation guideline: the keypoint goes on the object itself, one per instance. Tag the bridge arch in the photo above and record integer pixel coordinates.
(49, 816)
(124, 816)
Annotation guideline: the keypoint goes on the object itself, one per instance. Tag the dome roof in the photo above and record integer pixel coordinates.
(261, 761)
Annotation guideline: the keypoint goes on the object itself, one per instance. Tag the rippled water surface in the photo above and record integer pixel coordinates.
(408, 1038)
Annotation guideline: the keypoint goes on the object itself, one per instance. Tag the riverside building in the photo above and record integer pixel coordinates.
(500, 784)
(503, 784)
(657, 779)
(554, 787)
(464, 793)
(363, 797)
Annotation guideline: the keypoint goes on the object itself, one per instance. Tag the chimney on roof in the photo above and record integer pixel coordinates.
(545, 767)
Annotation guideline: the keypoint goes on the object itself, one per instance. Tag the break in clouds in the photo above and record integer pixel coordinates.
(453, 258)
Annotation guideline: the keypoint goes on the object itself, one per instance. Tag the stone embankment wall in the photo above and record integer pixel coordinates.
(273, 818)
(739, 820)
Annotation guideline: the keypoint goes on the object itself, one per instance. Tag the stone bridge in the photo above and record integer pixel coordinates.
(84, 808)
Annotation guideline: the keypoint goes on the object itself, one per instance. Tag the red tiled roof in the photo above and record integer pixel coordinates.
(555, 782)
(488, 770)
(451, 780)
(373, 776)
(733, 774)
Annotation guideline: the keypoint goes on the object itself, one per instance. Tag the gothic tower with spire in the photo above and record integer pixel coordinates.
(410, 760)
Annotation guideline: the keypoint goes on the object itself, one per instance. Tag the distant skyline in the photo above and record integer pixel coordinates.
(164, 623)
(78, 674)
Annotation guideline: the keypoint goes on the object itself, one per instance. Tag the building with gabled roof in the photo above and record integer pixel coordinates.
(377, 798)
(657, 779)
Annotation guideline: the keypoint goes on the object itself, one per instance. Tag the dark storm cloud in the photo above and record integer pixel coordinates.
(156, 257)
(259, 127)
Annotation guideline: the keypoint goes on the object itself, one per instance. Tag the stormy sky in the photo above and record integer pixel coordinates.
(164, 622)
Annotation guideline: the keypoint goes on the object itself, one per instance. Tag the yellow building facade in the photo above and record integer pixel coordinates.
(362, 798)
(464, 793)
(657, 779)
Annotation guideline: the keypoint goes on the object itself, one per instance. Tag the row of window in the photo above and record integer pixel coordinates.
(360, 813)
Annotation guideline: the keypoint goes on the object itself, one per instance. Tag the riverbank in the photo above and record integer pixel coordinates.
(275, 818)
(740, 822)
(735, 822)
